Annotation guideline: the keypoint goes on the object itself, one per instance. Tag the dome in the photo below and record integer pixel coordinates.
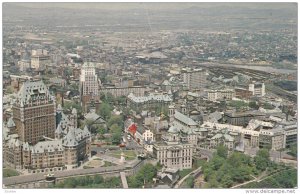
(194, 112)
(172, 129)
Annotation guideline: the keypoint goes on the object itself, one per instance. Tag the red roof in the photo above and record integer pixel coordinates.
(132, 128)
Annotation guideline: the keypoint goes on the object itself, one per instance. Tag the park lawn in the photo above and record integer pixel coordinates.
(238, 104)
(106, 164)
(10, 172)
(129, 154)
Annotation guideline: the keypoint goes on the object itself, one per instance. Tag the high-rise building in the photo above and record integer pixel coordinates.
(194, 78)
(34, 112)
(89, 83)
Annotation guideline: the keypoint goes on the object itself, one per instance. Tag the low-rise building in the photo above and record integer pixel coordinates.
(150, 101)
(243, 93)
(242, 118)
(222, 138)
(183, 122)
(145, 137)
(124, 91)
(58, 81)
(273, 139)
(214, 95)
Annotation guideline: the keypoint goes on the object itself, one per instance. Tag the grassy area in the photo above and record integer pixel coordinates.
(10, 172)
(87, 167)
(237, 104)
(129, 154)
(106, 164)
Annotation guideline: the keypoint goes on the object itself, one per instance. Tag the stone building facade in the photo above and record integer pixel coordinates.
(39, 138)
(173, 152)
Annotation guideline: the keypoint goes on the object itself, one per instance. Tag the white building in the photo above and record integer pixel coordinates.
(89, 83)
(145, 136)
(151, 100)
(173, 153)
(194, 78)
(214, 95)
(257, 89)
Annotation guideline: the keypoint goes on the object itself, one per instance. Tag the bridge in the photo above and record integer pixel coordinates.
(194, 172)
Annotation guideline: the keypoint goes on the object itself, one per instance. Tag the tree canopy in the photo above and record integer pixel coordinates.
(262, 159)
(105, 111)
(144, 175)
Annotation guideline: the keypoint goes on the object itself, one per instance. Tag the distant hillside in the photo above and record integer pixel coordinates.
(161, 16)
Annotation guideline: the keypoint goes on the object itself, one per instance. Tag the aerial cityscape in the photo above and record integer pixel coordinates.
(149, 95)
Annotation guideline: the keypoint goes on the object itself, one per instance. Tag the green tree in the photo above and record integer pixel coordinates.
(98, 179)
(73, 104)
(190, 182)
(253, 105)
(115, 129)
(101, 130)
(262, 159)
(121, 100)
(116, 133)
(68, 71)
(217, 162)
(145, 174)
(105, 111)
(226, 181)
(116, 138)
(115, 119)
(222, 151)
(213, 183)
(110, 98)
(293, 150)
(241, 174)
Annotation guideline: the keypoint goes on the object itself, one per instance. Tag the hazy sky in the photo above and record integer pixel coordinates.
(157, 6)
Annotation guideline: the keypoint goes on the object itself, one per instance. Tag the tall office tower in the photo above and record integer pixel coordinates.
(194, 78)
(39, 59)
(89, 83)
(34, 112)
